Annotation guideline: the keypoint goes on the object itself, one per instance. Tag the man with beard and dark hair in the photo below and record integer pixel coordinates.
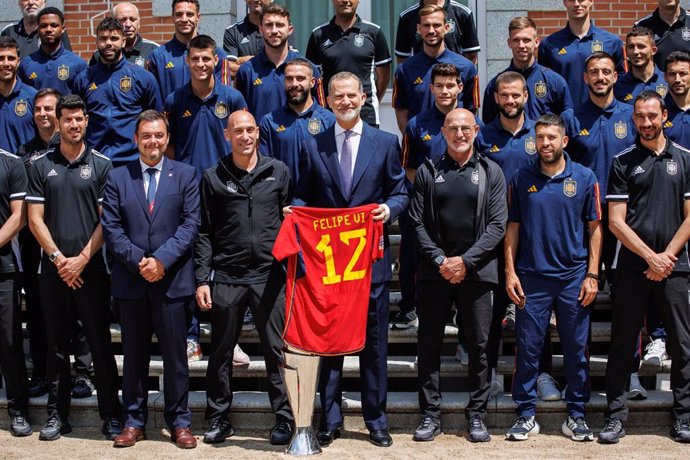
(677, 73)
(649, 211)
(282, 131)
(552, 248)
(66, 188)
(643, 73)
(16, 100)
(115, 92)
(669, 24)
(261, 80)
(24, 32)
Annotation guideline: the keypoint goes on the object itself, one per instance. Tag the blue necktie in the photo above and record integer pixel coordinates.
(346, 163)
(151, 191)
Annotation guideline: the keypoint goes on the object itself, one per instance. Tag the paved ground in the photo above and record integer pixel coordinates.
(87, 443)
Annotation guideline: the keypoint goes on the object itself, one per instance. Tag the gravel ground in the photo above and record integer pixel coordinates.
(88, 443)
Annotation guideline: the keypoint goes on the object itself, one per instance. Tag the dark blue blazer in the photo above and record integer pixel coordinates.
(168, 234)
(378, 178)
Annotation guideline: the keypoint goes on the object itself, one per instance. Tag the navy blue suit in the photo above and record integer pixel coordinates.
(163, 307)
(378, 178)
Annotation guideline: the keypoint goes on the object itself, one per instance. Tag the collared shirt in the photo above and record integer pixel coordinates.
(115, 95)
(282, 132)
(196, 125)
(675, 37)
(460, 38)
(565, 53)
(655, 188)
(263, 84)
(548, 93)
(413, 77)
(138, 54)
(510, 151)
(423, 139)
(355, 137)
(244, 39)
(359, 50)
(597, 135)
(35, 148)
(29, 43)
(13, 185)
(147, 177)
(628, 86)
(554, 214)
(677, 126)
(168, 64)
(56, 70)
(17, 117)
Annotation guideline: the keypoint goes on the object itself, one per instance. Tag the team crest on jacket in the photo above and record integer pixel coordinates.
(63, 72)
(85, 172)
(221, 110)
(620, 129)
(21, 107)
(672, 168)
(451, 26)
(314, 126)
(232, 187)
(540, 89)
(597, 46)
(359, 40)
(475, 177)
(569, 187)
(126, 84)
(530, 146)
(140, 61)
(686, 34)
(662, 90)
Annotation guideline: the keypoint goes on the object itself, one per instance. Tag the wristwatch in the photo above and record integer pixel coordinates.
(53, 257)
(438, 260)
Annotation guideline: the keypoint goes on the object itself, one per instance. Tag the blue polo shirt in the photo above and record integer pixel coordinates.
(168, 64)
(282, 132)
(196, 126)
(554, 213)
(565, 53)
(510, 151)
(548, 93)
(263, 84)
(629, 86)
(677, 127)
(115, 95)
(56, 70)
(412, 79)
(17, 117)
(597, 135)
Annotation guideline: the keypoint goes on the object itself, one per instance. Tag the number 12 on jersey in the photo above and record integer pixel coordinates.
(324, 247)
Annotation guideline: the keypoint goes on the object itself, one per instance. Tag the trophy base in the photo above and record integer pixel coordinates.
(303, 443)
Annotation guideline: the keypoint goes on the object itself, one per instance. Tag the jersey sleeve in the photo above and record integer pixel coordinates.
(237, 101)
(169, 109)
(403, 39)
(620, 56)
(377, 240)
(489, 106)
(399, 93)
(470, 92)
(36, 189)
(469, 39)
(382, 55)
(317, 91)
(230, 44)
(513, 201)
(222, 71)
(286, 244)
(591, 211)
(313, 51)
(151, 96)
(265, 136)
(618, 185)
(103, 179)
(18, 179)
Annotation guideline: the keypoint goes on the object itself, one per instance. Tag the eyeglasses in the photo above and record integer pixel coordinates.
(466, 130)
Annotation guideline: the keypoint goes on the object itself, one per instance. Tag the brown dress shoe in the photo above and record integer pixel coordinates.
(129, 437)
(183, 438)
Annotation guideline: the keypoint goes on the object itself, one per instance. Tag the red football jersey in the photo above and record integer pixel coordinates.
(330, 253)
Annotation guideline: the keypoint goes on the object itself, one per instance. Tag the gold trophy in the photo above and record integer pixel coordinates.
(300, 375)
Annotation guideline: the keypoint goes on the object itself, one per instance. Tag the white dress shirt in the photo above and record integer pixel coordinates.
(355, 137)
(145, 174)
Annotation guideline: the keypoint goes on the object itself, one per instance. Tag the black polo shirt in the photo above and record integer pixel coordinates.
(460, 38)
(655, 188)
(456, 191)
(35, 148)
(668, 38)
(29, 43)
(12, 187)
(244, 39)
(358, 50)
(138, 54)
(71, 194)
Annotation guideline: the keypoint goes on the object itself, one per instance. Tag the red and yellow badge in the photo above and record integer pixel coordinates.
(21, 107)
(63, 72)
(125, 84)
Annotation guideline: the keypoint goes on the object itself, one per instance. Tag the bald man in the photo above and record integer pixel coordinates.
(235, 269)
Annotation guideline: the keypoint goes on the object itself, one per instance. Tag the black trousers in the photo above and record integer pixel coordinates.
(230, 301)
(633, 294)
(473, 300)
(11, 350)
(62, 306)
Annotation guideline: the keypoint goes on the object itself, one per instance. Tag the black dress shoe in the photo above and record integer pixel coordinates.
(380, 438)
(281, 432)
(219, 430)
(38, 387)
(112, 428)
(327, 437)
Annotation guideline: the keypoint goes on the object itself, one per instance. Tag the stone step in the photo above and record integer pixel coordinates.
(251, 410)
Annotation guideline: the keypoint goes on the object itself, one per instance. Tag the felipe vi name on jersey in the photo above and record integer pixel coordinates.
(339, 221)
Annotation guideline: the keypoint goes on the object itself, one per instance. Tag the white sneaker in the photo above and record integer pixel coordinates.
(522, 429)
(655, 352)
(577, 429)
(462, 356)
(547, 388)
(239, 357)
(193, 351)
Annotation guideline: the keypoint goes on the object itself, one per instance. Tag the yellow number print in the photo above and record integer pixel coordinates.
(331, 276)
(349, 275)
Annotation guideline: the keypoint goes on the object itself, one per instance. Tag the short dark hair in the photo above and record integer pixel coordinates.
(647, 95)
(445, 70)
(8, 43)
(110, 24)
(149, 116)
(202, 42)
(70, 102)
(47, 92)
(676, 56)
(302, 62)
(598, 55)
(639, 31)
(550, 119)
(195, 2)
(274, 8)
(509, 77)
(51, 10)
